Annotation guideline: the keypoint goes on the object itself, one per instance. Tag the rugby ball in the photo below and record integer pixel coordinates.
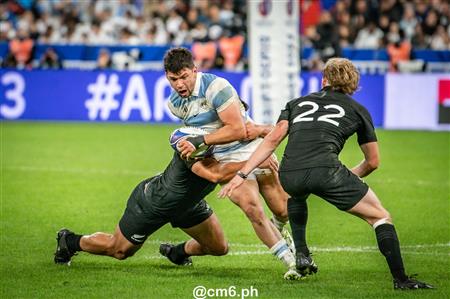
(184, 132)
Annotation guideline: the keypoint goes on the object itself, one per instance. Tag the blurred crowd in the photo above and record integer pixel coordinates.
(217, 28)
(397, 25)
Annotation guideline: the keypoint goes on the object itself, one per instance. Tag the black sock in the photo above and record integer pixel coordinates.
(177, 253)
(298, 217)
(73, 242)
(390, 247)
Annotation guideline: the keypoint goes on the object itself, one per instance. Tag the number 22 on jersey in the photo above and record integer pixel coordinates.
(305, 116)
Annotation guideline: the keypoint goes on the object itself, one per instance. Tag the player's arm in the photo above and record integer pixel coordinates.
(367, 141)
(233, 129)
(257, 130)
(264, 150)
(216, 172)
(371, 159)
(233, 126)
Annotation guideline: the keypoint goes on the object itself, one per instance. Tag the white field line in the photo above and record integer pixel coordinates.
(423, 183)
(364, 249)
(263, 252)
(337, 248)
(81, 170)
(152, 172)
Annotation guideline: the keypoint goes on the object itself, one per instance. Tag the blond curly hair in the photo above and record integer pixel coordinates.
(341, 75)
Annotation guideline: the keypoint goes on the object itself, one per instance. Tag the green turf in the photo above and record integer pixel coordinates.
(79, 176)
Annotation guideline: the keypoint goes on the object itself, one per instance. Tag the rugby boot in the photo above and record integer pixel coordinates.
(411, 284)
(166, 250)
(292, 274)
(63, 255)
(305, 264)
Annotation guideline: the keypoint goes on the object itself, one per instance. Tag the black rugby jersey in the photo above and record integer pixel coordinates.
(319, 125)
(177, 187)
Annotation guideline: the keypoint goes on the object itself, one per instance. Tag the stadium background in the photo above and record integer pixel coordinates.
(65, 62)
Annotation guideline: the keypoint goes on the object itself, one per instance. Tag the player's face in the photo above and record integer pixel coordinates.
(183, 82)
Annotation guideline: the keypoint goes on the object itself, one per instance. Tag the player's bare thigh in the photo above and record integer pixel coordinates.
(370, 209)
(273, 193)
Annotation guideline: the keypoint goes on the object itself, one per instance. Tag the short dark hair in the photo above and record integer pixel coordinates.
(177, 59)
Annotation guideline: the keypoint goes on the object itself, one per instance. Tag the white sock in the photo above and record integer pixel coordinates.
(281, 250)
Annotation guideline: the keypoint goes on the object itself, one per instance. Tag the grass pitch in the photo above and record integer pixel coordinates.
(79, 176)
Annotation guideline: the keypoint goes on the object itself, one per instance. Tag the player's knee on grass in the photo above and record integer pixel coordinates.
(120, 251)
(122, 254)
(219, 249)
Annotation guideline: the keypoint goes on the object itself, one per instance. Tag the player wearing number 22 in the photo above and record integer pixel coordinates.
(318, 126)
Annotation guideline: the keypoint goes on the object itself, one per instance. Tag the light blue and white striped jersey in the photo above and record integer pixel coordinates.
(211, 95)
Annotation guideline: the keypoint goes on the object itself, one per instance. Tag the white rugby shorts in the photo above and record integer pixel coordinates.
(243, 154)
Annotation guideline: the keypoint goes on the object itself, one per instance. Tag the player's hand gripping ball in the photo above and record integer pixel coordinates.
(179, 134)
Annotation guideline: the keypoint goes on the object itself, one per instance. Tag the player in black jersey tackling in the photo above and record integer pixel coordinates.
(175, 196)
(318, 126)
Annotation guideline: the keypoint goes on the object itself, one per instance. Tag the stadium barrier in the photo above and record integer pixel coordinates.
(367, 60)
(395, 101)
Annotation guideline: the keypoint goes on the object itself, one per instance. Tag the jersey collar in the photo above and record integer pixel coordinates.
(198, 81)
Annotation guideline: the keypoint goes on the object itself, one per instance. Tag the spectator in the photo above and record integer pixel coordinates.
(192, 17)
(409, 21)
(183, 35)
(215, 27)
(419, 41)
(327, 42)
(310, 10)
(204, 54)
(398, 51)
(199, 32)
(421, 8)
(369, 37)
(104, 60)
(431, 23)
(97, 36)
(127, 37)
(440, 40)
(226, 14)
(392, 8)
(344, 36)
(393, 36)
(160, 22)
(231, 50)
(21, 49)
(383, 23)
(173, 22)
(50, 60)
